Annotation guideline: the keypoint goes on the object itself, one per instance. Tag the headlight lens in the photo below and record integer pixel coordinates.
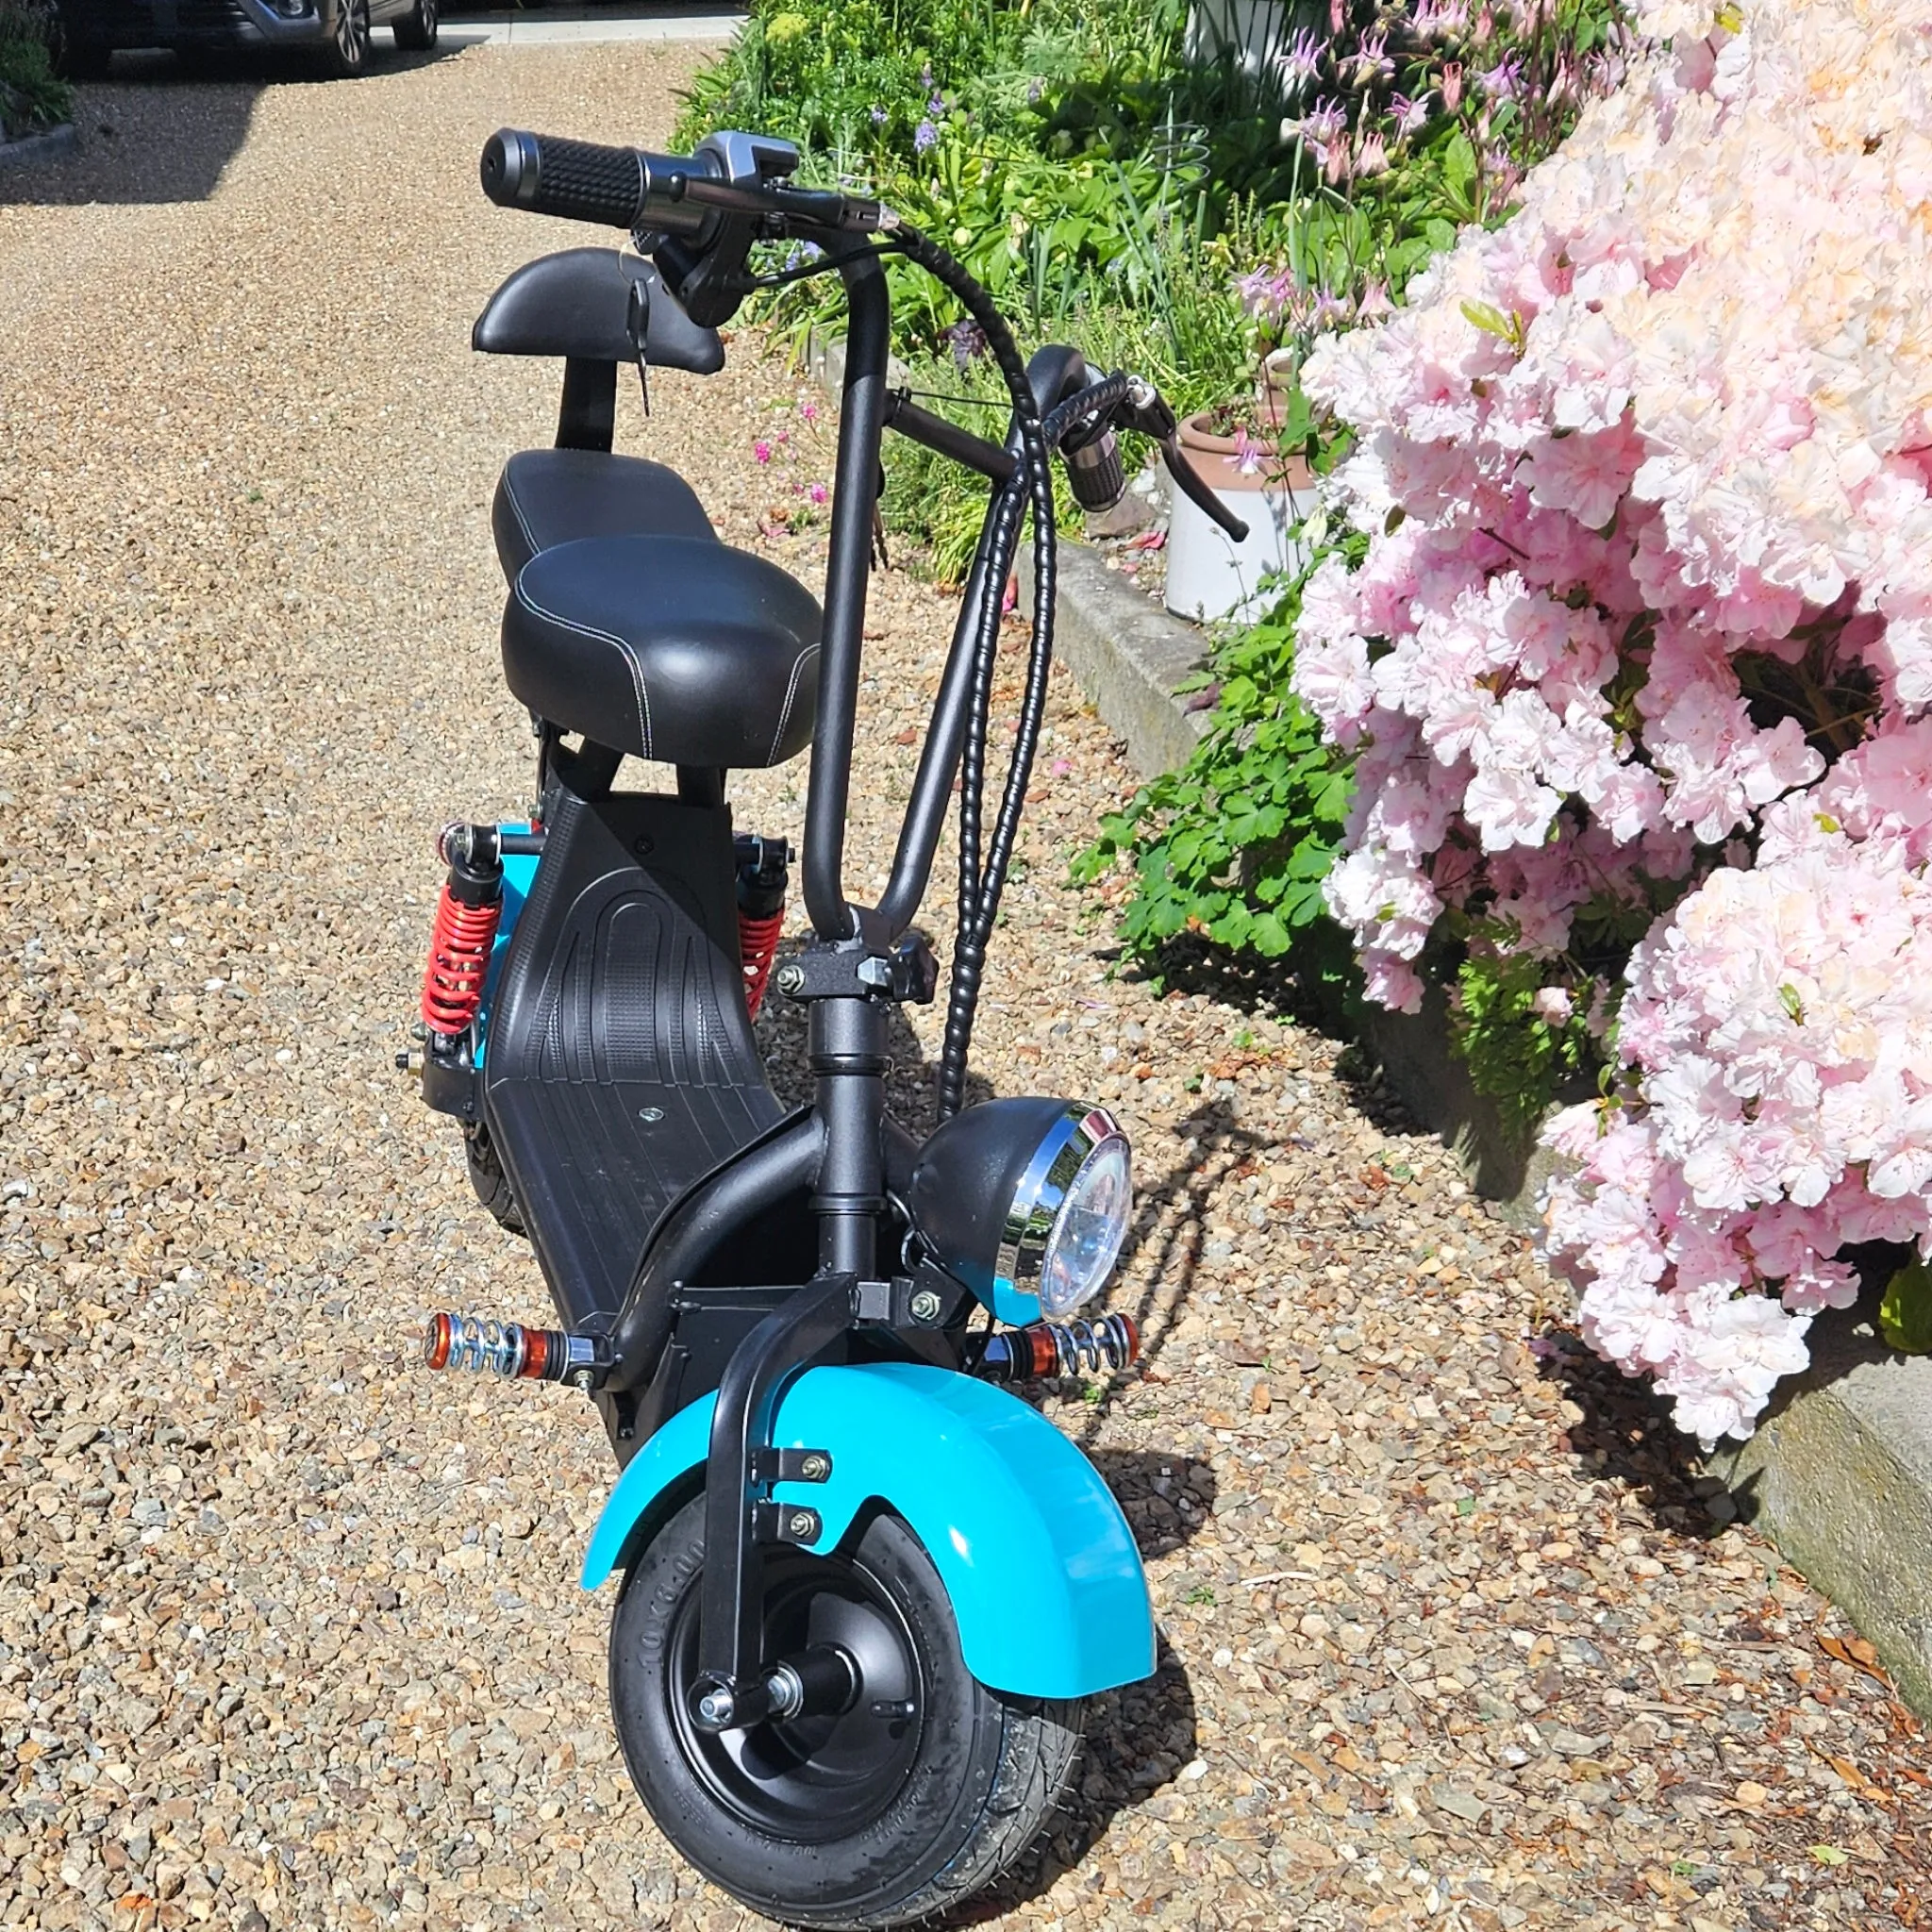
(1027, 1201)
(1070, 1212)
(1088, 1229)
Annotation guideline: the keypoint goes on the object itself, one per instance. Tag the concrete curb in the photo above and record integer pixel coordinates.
(1840, 1479)
(49, 146)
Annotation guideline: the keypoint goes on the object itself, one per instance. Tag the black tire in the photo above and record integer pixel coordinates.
(488, 1179)
(416, 31)
(346, 55)
(847, 1821)
(78, 55)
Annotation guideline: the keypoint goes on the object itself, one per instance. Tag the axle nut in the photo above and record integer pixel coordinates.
(790, 976)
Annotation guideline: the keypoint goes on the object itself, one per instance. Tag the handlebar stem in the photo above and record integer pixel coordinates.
(848, 571)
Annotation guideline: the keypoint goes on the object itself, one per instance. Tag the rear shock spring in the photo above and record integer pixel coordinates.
(758, 946)
(467, 916)
(1043, 1349)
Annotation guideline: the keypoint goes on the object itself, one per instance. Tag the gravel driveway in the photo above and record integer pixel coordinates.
(289, 1634)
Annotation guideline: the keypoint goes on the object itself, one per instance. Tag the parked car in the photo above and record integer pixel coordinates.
(336, 33)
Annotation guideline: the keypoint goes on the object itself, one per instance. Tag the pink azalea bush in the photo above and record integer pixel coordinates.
(1641, 646)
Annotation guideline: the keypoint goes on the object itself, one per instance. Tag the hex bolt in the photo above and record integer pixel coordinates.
(583, 1381)
(815, 1468)
(924, 1306)
(714, 1707)
(790, 976)
(803, 1523)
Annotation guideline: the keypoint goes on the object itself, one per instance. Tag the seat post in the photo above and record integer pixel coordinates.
(587, 417)
(701, 785)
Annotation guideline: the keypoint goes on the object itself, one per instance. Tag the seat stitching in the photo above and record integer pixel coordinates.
(516, 510)
(791, 693)
(603, 637)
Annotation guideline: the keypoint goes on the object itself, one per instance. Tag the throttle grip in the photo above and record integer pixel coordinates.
(585, 181)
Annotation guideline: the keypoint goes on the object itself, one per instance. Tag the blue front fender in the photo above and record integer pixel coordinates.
(1040, 1568)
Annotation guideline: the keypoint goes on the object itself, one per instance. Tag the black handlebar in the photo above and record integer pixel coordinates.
(1193, 485)
(668, 194)
(585, 181)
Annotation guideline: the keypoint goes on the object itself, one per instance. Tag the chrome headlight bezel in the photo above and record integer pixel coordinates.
(1040, 1203)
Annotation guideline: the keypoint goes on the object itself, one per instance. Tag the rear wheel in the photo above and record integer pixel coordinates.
(347, 53)
(488, 1179)
(416, 30)
(922, 1789)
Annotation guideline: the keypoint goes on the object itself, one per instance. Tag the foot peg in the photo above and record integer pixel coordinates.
(509, 1349)
(1059, 1348)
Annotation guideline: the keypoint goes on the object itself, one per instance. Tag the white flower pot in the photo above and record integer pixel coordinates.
(1208, 575)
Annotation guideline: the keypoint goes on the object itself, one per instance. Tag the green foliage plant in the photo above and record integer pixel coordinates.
(32, 95)
(1233, 848)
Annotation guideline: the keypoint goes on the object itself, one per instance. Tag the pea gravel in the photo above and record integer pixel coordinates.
(289, 1632)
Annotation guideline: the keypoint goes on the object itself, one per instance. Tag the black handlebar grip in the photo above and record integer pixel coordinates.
(581, 180)
(1196, 486)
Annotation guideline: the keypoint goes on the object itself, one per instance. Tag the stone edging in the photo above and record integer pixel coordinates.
(1841, 1475)
(48, 146)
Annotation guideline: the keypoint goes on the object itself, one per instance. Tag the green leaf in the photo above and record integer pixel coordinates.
(1904, 1311)
(1829, 1855)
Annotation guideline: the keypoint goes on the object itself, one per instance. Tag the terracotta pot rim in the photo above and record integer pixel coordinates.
(1281, 472)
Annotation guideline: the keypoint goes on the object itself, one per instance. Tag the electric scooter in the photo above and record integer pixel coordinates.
(865, 1589)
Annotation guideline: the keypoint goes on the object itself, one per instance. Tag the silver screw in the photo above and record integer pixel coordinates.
(802, 1524)
(790, 976)
(650, 1115)
(583, 1381)
(926, 1305)
(815, 1469)
(713, 1709)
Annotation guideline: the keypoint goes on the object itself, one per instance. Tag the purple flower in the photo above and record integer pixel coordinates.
(809, 410)
(1330, 312)
(1301, 61)
(1370, 61)
(879, 117)
(1374, 304)
(1372, 157)
(762, 450)
(925, 138)
(1035, 88)
(1327, 122)
(1248, 454)
(967, 341)
(1503, 82)
(818, 493)
(1410, 116)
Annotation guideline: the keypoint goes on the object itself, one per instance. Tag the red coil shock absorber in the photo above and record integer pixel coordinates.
(760, 918)
(466, 922)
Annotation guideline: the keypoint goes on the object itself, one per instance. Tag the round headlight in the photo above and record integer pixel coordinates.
(1070, 1212)
(1027, 1201)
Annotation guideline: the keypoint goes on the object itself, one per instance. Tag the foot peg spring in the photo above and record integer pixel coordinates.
(1059, 1348)
(509, 1349)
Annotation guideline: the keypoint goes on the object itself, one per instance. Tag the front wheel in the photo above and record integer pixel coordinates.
(922, 1789)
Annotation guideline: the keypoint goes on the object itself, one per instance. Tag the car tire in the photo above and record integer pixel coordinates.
(347, 57)
(787, 1817)
(416, 30)
(78, 55)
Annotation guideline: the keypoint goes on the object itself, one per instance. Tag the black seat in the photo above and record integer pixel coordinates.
(674, 648)
(550, 496)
